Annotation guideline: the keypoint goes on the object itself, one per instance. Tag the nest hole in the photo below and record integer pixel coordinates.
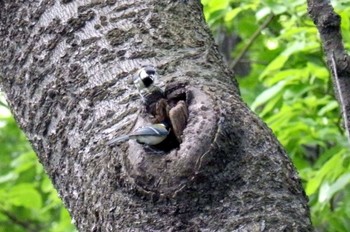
(174, 93)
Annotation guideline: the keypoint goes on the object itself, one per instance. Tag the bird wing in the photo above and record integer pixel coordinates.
(119, 139)
(149, 130)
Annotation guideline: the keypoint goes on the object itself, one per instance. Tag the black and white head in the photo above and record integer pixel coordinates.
(148, 85)
(145, 77)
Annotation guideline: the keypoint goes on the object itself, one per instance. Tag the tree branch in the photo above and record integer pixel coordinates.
(251, 40)
(341, 98)
(328, 25)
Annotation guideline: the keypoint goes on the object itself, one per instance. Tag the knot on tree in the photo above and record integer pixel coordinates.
(166, 168)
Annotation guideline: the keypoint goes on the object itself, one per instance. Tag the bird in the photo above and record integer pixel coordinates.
(149, 135)
(145, 77)
(145, 80)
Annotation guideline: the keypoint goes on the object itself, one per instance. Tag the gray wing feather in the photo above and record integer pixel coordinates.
(119, 139)
(149, 130)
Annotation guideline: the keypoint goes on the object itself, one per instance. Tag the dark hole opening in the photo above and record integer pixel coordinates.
(168, 144)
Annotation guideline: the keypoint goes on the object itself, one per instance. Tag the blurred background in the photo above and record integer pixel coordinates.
(275, 51)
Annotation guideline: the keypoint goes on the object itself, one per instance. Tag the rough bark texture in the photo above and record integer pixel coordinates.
(328, 25)
(65, 67)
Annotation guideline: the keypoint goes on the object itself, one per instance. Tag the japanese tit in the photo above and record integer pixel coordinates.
(145, 77)
(145, 81)
(150, 135)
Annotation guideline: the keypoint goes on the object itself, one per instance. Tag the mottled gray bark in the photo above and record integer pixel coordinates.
(328, 25)
(65, 67)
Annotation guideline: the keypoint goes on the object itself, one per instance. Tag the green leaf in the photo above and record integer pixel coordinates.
(8, 177)
(275, 6)
(24, 162)
(280, 60)
(262, 13)
(268, 94)
(46, 185)
(330, 106)
(216, 5)
(270, 106)
(64, 223)
(327, 191)
(232, 14)
(24, 195)
(341, 183)
(329, 167)
(275, 65)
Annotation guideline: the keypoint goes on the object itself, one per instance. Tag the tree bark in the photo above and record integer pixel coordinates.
(65, 69)
(328, 25)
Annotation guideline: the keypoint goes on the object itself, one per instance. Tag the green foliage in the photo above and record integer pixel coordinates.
(28, 201)
(290, 88)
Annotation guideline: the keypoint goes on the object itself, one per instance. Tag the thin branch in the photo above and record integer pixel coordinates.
(341, 97)
(328, 25)
(251, 40)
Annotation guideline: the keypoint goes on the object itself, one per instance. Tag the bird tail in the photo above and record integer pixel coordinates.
(118, 140)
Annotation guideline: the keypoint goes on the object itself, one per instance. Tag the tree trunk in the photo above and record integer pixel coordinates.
(65, 69)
